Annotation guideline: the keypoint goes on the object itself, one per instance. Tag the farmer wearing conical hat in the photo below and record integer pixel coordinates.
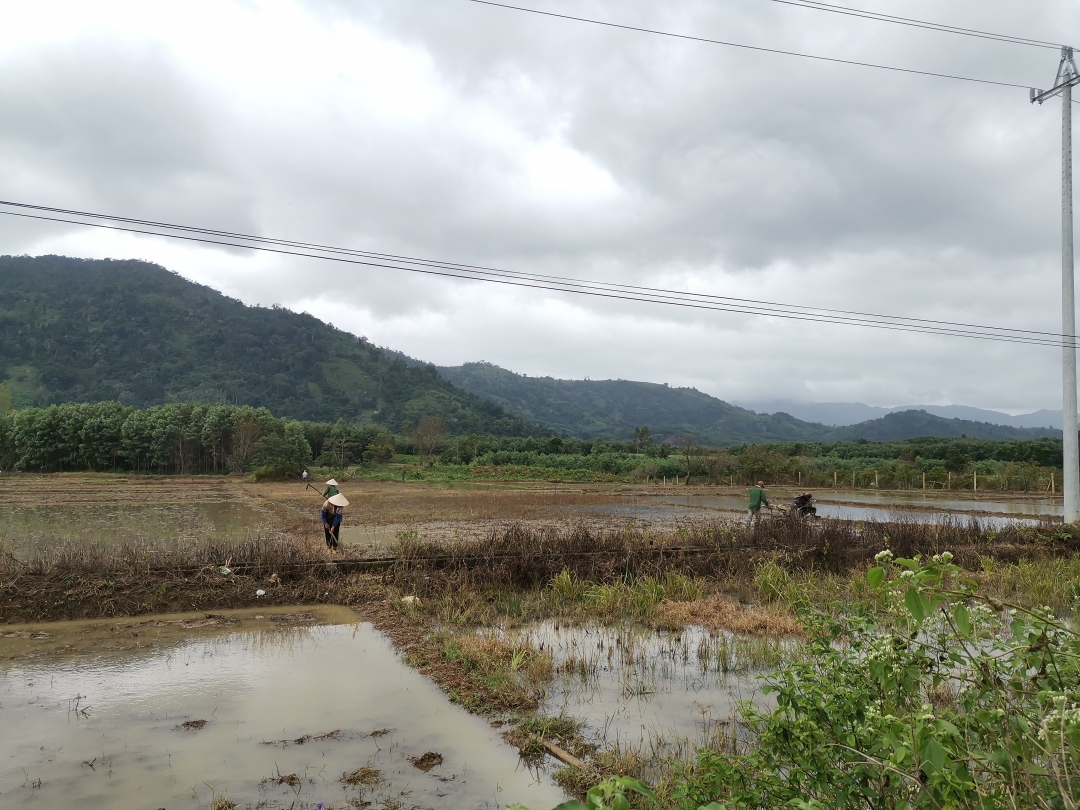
(333, 509)
(331, 488)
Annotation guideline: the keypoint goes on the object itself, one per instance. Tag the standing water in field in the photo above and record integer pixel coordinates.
(276, 710)
(638, 687)
(24, 529)
(881, 506)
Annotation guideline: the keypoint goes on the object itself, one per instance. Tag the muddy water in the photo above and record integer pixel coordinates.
(89, 726)
(639, 687)
(846, 505)
(371, 537)
(26, 528)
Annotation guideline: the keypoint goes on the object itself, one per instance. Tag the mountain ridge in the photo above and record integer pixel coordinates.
(131, 331)
(840, 414)
(611, 409)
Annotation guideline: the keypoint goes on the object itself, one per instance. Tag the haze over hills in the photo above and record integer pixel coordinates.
(611, 409)
(83, 330)
(850, 413)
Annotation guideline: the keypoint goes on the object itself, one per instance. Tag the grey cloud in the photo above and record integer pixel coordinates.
(108, 125)
(763, 175)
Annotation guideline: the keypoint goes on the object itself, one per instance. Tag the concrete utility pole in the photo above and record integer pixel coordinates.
(1067, 76)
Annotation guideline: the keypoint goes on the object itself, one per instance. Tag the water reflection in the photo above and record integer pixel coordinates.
(844, 505)
(640, 687)
(107, 729)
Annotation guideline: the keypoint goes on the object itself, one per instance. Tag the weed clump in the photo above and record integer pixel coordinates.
(427, 761)
(513, 673)
(717, 612)
(365, 776)
(528, 733)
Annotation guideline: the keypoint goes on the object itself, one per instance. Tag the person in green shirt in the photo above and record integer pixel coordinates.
(331, 489)
(757, 499)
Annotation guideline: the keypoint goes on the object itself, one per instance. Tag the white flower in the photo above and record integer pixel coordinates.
(885, 556)
(1059, 721)
(946, 556)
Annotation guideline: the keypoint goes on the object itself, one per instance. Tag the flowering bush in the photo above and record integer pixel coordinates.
(946, 699)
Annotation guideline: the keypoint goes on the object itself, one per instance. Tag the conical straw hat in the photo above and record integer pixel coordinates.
(332, 482)
(339, 500)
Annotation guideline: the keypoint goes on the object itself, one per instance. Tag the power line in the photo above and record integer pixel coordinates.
(597, 289)
(482, 270)
(908, 21)
(758, 48)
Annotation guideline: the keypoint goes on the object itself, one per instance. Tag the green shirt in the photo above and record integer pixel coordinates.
(330, 492)
(757, 498)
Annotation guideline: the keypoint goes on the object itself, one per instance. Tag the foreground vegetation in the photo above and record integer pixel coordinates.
(949, 679)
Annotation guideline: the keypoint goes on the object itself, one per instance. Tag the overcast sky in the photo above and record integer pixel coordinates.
(458, 131)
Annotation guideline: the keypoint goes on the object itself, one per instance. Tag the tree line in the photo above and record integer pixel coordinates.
(192, 438)
(180, 438)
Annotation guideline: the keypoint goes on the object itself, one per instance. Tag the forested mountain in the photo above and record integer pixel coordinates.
(916, 424)
(133, 332)
(852, 413)
(611, 409)
(75, 330)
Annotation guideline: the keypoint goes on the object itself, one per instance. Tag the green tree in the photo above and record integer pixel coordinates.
(430, 436)
(283, 453)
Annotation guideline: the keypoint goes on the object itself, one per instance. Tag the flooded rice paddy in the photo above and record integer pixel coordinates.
(655, 690)
(270, 709)
(883, 506)
(29, 528)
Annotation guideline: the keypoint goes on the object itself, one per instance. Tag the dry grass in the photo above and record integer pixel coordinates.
(365, 776)
(486, 673)
(520, 556)
(718, 612)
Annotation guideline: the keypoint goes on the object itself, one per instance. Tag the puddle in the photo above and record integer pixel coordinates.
(291, 706)
(370, 537)
(640, 687)
(24, 528)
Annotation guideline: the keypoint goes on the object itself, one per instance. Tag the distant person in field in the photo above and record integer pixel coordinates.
(331, 488)
(757, 499)
(332, 513)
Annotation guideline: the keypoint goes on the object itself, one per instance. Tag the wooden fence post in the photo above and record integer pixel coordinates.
(924, 480)
(876, 480)
(950, 480)
(834, 479)
(975, 481)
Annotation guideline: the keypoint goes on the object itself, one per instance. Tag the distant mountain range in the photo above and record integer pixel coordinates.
(850, 413)
(87, 330)
(611, 409)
